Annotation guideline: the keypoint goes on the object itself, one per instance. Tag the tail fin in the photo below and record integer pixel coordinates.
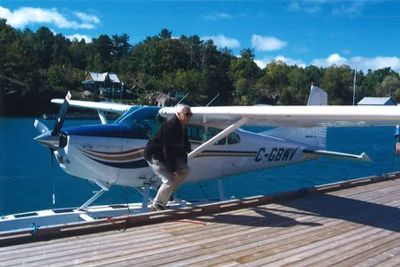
(314, 137)
(317, 97)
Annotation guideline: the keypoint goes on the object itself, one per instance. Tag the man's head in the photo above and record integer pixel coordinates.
(183, 113)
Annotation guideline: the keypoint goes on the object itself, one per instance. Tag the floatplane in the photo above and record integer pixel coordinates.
(110, 154)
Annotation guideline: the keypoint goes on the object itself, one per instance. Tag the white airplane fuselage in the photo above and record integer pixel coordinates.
(112, 154)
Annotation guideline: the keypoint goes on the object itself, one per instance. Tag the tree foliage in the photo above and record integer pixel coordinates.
(38, 66)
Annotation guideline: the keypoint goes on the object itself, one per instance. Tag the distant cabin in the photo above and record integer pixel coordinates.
(105, 84)
(377, 101)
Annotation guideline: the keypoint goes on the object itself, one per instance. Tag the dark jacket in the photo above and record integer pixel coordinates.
(170, 143)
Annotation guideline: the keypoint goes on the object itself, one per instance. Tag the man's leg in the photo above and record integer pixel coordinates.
(167, 182)
(180, 174)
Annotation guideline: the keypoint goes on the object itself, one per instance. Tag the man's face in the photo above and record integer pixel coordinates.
(185, 116)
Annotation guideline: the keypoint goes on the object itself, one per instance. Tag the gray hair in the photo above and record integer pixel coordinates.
(180, 107)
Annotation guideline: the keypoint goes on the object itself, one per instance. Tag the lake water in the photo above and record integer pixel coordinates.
(27, 177)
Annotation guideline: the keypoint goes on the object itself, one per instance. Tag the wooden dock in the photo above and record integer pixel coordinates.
(354, 223)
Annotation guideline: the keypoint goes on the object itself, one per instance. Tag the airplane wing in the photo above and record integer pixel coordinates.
(99, 106)
(233, 117)
(294, 116)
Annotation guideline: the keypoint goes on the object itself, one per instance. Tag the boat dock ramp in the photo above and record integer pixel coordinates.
(351, 223)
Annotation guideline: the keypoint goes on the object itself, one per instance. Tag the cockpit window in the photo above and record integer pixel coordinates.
(211, 132)
(196, 133)
(233, 138)
(199, 134)
(145, 118)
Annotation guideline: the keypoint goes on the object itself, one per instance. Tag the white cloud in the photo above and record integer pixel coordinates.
(79, 37)
(289, 61)
(307, 7)
(349, 8)
(217, 16)
(87, 18)
(376, 63)
(361, 63)
(266, 43)
(24, 16)
(333, 59)
(222, 41)
(338, 8)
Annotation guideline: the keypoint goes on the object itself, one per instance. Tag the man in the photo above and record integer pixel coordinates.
(167, 155)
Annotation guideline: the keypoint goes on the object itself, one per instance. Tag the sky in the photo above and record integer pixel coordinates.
(364, 34)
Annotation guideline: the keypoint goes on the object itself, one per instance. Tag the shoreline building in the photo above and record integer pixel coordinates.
(106, 85)
(377, 101)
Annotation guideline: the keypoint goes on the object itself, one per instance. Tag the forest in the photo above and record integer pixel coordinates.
(38, 66)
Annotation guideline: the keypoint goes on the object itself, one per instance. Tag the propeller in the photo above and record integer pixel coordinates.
(51, 139)
(61, 115)
(41, 127)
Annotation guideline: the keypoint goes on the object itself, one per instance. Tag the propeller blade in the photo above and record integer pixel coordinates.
(41, 127)
(61, 115)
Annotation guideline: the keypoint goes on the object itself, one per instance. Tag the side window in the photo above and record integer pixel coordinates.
(196, 133)
(233, 138)
(211, 132)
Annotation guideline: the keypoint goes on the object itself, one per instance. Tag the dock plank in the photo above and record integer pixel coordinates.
(316, 248)
(372, 256)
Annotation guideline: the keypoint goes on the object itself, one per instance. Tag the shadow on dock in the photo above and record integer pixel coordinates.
(265, 218)
(321, 205)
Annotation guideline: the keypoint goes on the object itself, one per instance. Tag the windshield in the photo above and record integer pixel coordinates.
(146, 118)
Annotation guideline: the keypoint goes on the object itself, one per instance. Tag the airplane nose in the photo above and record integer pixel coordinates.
(48, 140)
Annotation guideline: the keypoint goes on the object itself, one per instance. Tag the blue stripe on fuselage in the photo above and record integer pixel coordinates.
(125, 165)
(107, 130)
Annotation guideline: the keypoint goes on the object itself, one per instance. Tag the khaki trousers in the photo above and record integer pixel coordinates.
(170, 181)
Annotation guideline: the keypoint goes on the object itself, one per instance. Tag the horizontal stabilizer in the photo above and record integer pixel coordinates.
(362, 157)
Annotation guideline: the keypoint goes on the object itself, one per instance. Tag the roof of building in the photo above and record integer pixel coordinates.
(377, 101)
(113, 77)
(101, 77)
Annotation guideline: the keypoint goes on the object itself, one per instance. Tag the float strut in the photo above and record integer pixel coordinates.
(221, 189)
(92, 199)
(146, 197)
(103, 187)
